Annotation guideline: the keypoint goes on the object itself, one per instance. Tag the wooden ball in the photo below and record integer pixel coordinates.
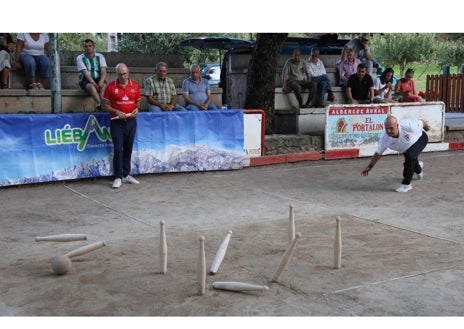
(61, 264)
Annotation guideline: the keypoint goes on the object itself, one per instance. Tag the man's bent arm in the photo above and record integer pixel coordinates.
(371, 164)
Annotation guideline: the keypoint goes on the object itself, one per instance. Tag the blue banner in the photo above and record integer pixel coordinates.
(50, 147)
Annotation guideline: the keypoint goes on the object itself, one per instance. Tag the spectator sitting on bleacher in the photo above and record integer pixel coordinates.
(360, 87)
(318, 75)
(92, 72)
(6, 49)
(361, 51)
(31, 54)
(383, 87)
(197, 92)
(296, 78)
(406, 87)
(348, 67)
(161, 92)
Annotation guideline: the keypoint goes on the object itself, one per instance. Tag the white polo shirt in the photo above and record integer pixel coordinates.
(409, 132)
(316, 70)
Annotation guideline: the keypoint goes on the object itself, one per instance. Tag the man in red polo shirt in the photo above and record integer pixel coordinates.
(122, 100)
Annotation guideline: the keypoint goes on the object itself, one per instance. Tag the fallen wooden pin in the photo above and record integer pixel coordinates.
(61, 264)
(61, 237)
(238, 286)
(220, 254)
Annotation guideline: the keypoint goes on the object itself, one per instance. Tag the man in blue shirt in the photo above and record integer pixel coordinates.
(196, 91)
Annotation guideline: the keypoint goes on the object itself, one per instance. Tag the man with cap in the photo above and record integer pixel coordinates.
(361, 50)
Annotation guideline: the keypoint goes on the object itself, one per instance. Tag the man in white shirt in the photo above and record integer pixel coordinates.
(318, 74)
(407, 137)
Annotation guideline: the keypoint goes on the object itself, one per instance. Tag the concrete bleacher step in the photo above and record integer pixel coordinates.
(332, 74)
(287, 101)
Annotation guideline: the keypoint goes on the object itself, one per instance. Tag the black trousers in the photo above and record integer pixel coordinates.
(411, 159)
(123, 134)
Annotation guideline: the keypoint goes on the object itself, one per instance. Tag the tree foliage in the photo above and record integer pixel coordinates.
(450, 53)
(73, 41)
(402, 49)
(152, 43)
(456, 37)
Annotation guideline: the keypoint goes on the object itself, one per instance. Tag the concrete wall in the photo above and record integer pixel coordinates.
(73, 101)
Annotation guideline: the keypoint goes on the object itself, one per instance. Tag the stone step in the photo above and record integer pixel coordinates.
(286, 101)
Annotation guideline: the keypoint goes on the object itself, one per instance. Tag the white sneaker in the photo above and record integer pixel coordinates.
(421, 175)
(404, 188)
(117, 183)
(129, 179)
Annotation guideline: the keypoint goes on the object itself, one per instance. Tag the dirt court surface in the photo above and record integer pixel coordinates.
(402, 252)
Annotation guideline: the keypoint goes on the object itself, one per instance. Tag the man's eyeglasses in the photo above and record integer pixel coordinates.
(123, 74)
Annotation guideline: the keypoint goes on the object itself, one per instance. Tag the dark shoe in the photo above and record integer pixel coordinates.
(303, 106)
(330, 97)
(98, 108)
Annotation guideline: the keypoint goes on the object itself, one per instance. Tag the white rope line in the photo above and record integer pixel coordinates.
(406, 276)
(411, 231)
(108, 207)
(392, 279)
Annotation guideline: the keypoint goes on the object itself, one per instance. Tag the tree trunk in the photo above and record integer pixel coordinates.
(261, 75)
